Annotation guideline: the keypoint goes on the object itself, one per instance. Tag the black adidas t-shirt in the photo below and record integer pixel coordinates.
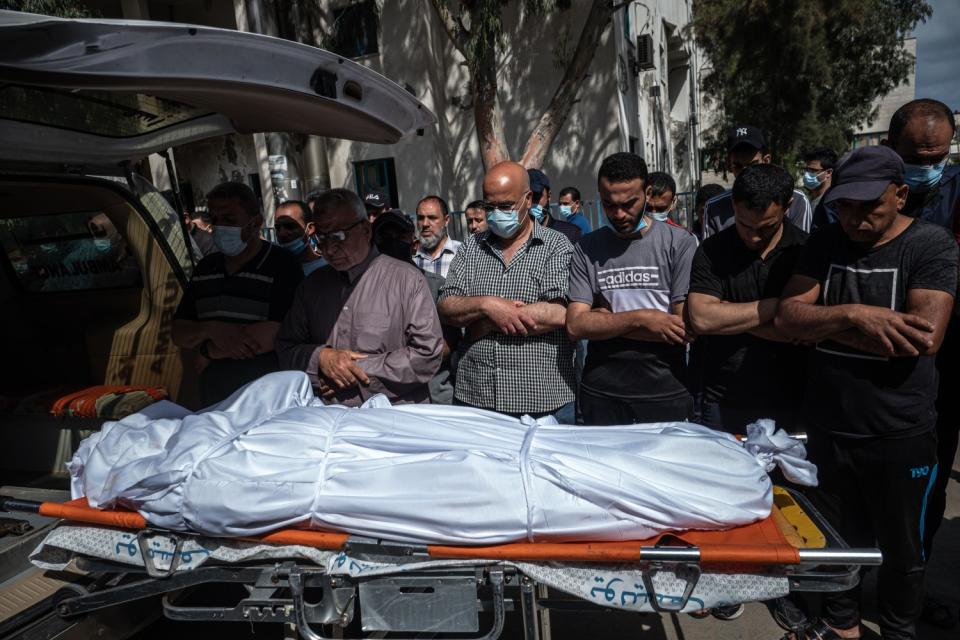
(861, 395)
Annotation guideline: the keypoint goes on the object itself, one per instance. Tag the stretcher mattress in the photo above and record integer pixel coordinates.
(615, 585)
(273, 456)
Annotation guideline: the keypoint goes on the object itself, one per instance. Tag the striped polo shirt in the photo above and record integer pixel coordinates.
(261, 290)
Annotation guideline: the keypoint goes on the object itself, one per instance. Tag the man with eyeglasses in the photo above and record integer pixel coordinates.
(507, 287)
(365, 324)
(746, 146)
(921, 132)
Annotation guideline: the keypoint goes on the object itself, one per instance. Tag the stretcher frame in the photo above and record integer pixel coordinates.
(451, 599)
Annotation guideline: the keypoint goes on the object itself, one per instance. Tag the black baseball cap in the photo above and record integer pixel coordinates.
(375, 199)
(745, 135)
(538, 180)
(865, 174)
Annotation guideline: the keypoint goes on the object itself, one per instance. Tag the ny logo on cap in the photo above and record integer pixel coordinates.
(741, 132)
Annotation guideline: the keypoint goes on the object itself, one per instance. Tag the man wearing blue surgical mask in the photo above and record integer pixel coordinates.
(293, 221)
(571, 209)
(628, 287)
(507, 287)
(540, 209)
(921, 133)
(661, 197)
(817, 177)
(231, 310)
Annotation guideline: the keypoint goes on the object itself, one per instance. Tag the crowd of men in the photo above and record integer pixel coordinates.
(827, 309)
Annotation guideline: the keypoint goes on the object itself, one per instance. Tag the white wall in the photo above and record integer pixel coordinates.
(873, 132)
(414, 50)
(669, 142)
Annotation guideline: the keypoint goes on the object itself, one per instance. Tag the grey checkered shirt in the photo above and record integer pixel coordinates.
(514, 374)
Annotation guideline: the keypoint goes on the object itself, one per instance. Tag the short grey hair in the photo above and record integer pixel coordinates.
(339, 199)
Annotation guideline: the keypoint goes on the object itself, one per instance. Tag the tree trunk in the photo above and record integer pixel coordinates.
(565, 96)
(488, 119)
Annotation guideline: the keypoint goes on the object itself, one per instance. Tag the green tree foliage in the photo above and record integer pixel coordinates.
(59, 8)
(806, 72)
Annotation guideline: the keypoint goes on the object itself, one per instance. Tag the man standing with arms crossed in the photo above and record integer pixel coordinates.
(749, 369)
(874, 293)
(507, 287)
(628, 284)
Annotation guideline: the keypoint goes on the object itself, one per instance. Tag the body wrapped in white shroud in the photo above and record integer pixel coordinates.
(273, 456)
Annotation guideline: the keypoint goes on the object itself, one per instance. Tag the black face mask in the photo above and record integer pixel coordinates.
(395, 248)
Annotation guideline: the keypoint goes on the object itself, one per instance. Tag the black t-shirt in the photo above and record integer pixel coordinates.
(743, 370)
(262, 289)
(861, 395)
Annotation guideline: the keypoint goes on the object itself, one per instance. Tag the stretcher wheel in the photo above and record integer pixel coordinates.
(64, 593)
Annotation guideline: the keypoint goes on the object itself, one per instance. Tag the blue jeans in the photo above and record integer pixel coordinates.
(566, 414)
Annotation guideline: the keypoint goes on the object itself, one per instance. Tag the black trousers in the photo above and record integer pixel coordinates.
(599, 410)
(875, 493)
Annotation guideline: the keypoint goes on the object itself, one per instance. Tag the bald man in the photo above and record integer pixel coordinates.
(507, 287)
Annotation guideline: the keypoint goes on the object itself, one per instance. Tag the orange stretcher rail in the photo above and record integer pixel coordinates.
(771, 541)
(760, 543)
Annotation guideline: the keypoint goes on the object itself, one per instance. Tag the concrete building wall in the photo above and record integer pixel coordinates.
(872, 132)
(664, 98)
(207, 163)
(415, 52)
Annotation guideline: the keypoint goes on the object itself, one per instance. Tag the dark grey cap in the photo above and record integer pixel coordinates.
(865, 174)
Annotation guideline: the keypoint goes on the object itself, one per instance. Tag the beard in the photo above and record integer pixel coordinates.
(431, 243)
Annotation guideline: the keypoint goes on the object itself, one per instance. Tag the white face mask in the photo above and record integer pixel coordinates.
(229, 240)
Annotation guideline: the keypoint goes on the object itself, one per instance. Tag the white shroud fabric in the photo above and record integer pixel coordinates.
(273, 456)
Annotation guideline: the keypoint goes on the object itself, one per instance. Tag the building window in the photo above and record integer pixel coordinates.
(377, 175)
(355, 29)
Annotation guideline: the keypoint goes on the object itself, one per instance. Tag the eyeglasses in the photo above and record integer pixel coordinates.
(335, 236)
(490, 207)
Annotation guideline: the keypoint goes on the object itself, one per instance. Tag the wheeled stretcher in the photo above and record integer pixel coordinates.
(329, 584)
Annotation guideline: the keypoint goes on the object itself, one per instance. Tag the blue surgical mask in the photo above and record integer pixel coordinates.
(567, 211)
(229, 240)
(296, 247)
(811, 181)
(504, 224)
(537, 212)
(660, 216)
(923, 176)
(640, 226)
(102, 245)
